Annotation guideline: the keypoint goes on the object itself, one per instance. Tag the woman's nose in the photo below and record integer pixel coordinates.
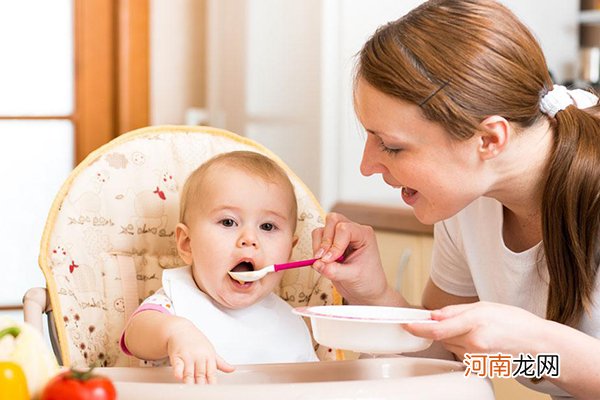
(369, 164)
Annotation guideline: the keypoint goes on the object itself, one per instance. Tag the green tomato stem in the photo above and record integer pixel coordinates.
(82, 375)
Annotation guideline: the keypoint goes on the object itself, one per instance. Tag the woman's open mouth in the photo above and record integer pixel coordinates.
(409, 195)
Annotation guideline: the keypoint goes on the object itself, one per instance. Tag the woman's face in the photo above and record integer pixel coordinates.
(438, 176)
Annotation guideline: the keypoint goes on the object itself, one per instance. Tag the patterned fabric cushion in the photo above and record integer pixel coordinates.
(110, 234)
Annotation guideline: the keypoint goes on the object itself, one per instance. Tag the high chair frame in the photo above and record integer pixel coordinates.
(109, 235)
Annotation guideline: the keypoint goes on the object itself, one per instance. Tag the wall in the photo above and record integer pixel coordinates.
(555, 25)
(264, 74)
(279, 71)
(357, 20)
(177, 59)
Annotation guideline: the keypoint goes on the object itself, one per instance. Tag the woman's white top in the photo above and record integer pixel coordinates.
(471, 259)
(265, 332)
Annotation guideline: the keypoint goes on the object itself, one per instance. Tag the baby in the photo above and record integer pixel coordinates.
(238, 213)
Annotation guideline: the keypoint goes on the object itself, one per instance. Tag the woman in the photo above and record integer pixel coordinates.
(462, 117)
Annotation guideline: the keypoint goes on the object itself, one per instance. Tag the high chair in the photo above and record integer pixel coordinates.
(110, 234)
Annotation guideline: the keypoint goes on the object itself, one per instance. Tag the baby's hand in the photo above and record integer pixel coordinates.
(193, 357)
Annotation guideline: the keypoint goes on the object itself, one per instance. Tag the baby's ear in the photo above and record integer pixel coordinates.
(184, 248)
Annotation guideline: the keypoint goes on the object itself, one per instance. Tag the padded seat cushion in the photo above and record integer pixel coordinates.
(110, 234)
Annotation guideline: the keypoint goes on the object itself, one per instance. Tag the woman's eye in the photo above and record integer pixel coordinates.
(382, 146)
(227, 222)
(267, 227)
(388, 150)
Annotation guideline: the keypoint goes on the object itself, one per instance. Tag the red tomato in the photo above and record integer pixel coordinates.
(75, 385)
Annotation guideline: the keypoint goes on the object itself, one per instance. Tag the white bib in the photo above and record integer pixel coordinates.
(265, 332)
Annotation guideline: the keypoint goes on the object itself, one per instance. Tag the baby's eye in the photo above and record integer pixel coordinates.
(227, 222)
(268, 227)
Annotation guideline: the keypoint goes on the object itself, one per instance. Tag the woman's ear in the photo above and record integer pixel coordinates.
(184, 248)
(494, 133)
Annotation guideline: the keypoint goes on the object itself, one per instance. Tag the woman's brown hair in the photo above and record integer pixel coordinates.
(465, 60)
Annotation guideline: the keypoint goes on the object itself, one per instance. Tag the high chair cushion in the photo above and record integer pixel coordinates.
(110, 234)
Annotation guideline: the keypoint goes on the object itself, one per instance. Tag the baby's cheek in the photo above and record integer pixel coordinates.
(272, 281)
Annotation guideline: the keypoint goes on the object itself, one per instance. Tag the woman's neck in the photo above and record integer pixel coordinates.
(520, 172)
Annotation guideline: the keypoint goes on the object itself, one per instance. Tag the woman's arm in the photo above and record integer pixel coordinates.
(435, 298)
(579, 359)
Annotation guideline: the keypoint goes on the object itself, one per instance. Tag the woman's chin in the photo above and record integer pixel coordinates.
(425, 217)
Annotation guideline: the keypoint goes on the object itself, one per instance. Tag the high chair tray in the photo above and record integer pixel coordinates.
(382, 378)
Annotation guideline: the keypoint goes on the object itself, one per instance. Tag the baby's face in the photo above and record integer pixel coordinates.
(244, 223)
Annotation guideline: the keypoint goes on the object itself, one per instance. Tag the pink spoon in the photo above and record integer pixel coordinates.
(251, 276)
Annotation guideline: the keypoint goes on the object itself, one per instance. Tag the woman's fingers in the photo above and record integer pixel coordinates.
(480, 327)
(458, 324)
(341, 240)
(360, 277)
(328, 233)
(452, 311)
(333, 271)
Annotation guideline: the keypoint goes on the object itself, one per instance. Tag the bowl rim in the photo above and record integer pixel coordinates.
(314, 312)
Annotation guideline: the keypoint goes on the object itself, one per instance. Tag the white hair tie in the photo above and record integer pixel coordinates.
(560, 98)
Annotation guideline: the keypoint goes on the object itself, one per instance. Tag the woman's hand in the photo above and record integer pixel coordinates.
(193, 357)
(360, 278)
(483, 327)
(490, 328)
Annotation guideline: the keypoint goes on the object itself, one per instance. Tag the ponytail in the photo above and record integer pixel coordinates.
(571, 215)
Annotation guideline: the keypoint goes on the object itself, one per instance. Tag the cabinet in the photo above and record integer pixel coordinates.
(406, 259)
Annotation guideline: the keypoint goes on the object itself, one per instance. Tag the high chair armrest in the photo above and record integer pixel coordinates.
(36, 303)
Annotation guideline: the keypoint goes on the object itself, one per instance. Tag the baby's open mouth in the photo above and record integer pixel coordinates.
(243, 267)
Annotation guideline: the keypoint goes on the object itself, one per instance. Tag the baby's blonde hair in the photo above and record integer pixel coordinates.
(250, 162)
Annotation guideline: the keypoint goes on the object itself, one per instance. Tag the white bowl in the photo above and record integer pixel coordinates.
(366, 329)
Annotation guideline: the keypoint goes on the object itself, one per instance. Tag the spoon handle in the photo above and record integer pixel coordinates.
(302, 263)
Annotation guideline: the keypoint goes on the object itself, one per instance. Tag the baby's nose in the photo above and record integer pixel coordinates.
(247, 239)
(244, 243)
